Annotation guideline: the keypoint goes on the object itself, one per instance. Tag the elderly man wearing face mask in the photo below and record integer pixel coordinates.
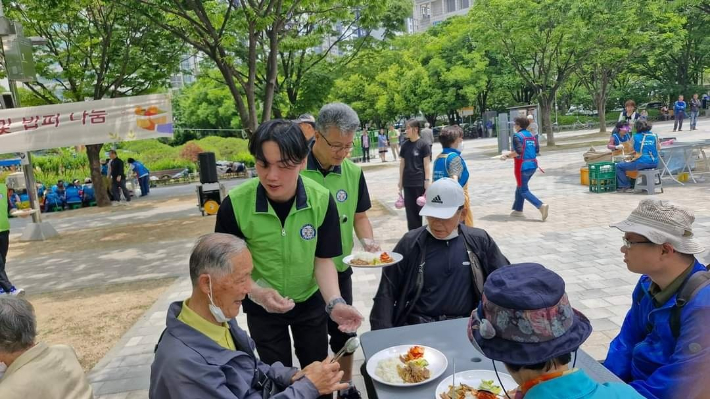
(203, 353)
(444, 267)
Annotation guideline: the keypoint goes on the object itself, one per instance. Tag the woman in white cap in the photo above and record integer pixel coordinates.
(525, 320)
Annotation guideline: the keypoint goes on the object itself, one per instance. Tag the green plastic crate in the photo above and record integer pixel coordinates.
(602, 185)
(602, 171)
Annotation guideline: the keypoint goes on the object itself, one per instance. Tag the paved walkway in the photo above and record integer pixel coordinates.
(575, 241)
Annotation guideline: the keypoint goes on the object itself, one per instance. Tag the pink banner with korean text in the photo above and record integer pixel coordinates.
(88, 122)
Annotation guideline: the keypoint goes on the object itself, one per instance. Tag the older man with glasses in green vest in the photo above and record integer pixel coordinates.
(292, 228)
(328, 165)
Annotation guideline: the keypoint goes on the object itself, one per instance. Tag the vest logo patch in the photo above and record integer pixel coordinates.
(308, 232)
(341, 196)
(437, 200)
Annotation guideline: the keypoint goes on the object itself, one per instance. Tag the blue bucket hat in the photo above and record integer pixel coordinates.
(525, 317)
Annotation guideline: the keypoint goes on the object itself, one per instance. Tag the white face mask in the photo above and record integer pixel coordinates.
(3, 368)
(214, 309)
(453, 234)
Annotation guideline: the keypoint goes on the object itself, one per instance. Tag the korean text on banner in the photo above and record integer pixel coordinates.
(89, 122)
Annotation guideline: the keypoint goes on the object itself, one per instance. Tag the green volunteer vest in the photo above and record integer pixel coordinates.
(283, 256)
(344, 185)
(4, 218)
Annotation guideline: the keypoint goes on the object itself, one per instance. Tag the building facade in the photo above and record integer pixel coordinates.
(431, 12)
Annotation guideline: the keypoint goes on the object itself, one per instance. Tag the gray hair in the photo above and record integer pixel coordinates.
(212, 255)
(18, 326)
(337, 115)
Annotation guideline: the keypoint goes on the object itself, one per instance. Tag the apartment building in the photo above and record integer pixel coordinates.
(431, 12)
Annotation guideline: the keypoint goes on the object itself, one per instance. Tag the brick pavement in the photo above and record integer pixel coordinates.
(575, 241)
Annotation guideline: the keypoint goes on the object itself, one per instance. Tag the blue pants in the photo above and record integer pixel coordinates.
(693, 119)
(523, 193)
(144, 182)
(622, 181)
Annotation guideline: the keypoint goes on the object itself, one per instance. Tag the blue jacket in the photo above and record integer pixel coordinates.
(72, 195)
(441, 165)
(527, 147)
(645, 144)
(89, 194)
(655, 363)
(679, 107)
(578, 385)
(139, 169)
(190, 365)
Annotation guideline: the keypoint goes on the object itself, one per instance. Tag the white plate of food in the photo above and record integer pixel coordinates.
(406, 365)
(373, 259)
(23, 213)
(475, 384)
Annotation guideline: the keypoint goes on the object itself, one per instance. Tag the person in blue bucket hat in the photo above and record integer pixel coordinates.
(526, 322)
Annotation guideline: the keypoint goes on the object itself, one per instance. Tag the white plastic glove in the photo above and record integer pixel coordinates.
(619, 147)
(271, 300)
(347, 317)
(370, 245)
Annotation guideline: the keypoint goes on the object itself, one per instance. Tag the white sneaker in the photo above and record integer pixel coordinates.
(17, 291)
(114, 203)
(517, 214)
(544, 210)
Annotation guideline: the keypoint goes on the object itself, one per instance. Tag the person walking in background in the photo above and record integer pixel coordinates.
(427, 135)
(307, 123)
(365, 142)
(118, 178)
(694, 111)
(382, 144)
(533, 128)
(414, 172)
(451, 164)
(679, 112)
(393, 137)
(143, 175)
(6, 286)
(526, 147)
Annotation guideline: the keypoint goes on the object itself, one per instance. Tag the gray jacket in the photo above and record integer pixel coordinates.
(190, 365)
(427, 135)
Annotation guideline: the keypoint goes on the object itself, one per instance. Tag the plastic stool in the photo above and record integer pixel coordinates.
(648, 180)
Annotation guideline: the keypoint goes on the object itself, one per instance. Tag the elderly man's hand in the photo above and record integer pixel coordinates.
(325, 376)
(347, 317)
(271, 300)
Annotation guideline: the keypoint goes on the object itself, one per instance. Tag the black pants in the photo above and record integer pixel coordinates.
(120, 186)
(365, 154)
(411, 194)
(337, 337)
(5, 283)
(308, 322)
(678, 124)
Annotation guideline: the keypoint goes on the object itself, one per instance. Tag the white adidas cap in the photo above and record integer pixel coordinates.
(443, 198)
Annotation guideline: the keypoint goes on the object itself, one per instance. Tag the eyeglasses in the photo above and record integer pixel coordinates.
(628, 244)
(337, 147)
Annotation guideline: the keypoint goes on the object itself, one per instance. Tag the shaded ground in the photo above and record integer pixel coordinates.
(92, 320)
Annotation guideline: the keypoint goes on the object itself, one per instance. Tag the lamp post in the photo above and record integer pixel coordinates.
(37, 230)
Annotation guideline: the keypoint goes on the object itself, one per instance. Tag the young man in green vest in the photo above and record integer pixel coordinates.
(292, 229)
(6, 287)
(329, 166)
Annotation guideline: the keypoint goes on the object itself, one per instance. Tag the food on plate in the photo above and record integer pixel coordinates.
(487, 389)
(409, 368)
(370, 259)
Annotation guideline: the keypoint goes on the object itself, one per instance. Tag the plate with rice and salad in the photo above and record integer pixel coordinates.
(373, 259)
(407, 365)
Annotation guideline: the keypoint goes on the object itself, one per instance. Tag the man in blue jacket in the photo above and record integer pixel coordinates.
(679, 113)
(663, 348)
(204, 354)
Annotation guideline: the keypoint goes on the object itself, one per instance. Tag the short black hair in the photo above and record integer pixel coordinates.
(286, 134)
(523, 122)
(112, 152)
(449, 135)
(643, 126)
(415, 123)
(544, 366)
(619, 125)
(130, 160)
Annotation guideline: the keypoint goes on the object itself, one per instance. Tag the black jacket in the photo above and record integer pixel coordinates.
(117, 169)
(400, 284)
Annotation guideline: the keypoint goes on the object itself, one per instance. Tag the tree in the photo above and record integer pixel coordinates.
(551, 43)
(619, 26)
(244, 39)
(95, 49)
